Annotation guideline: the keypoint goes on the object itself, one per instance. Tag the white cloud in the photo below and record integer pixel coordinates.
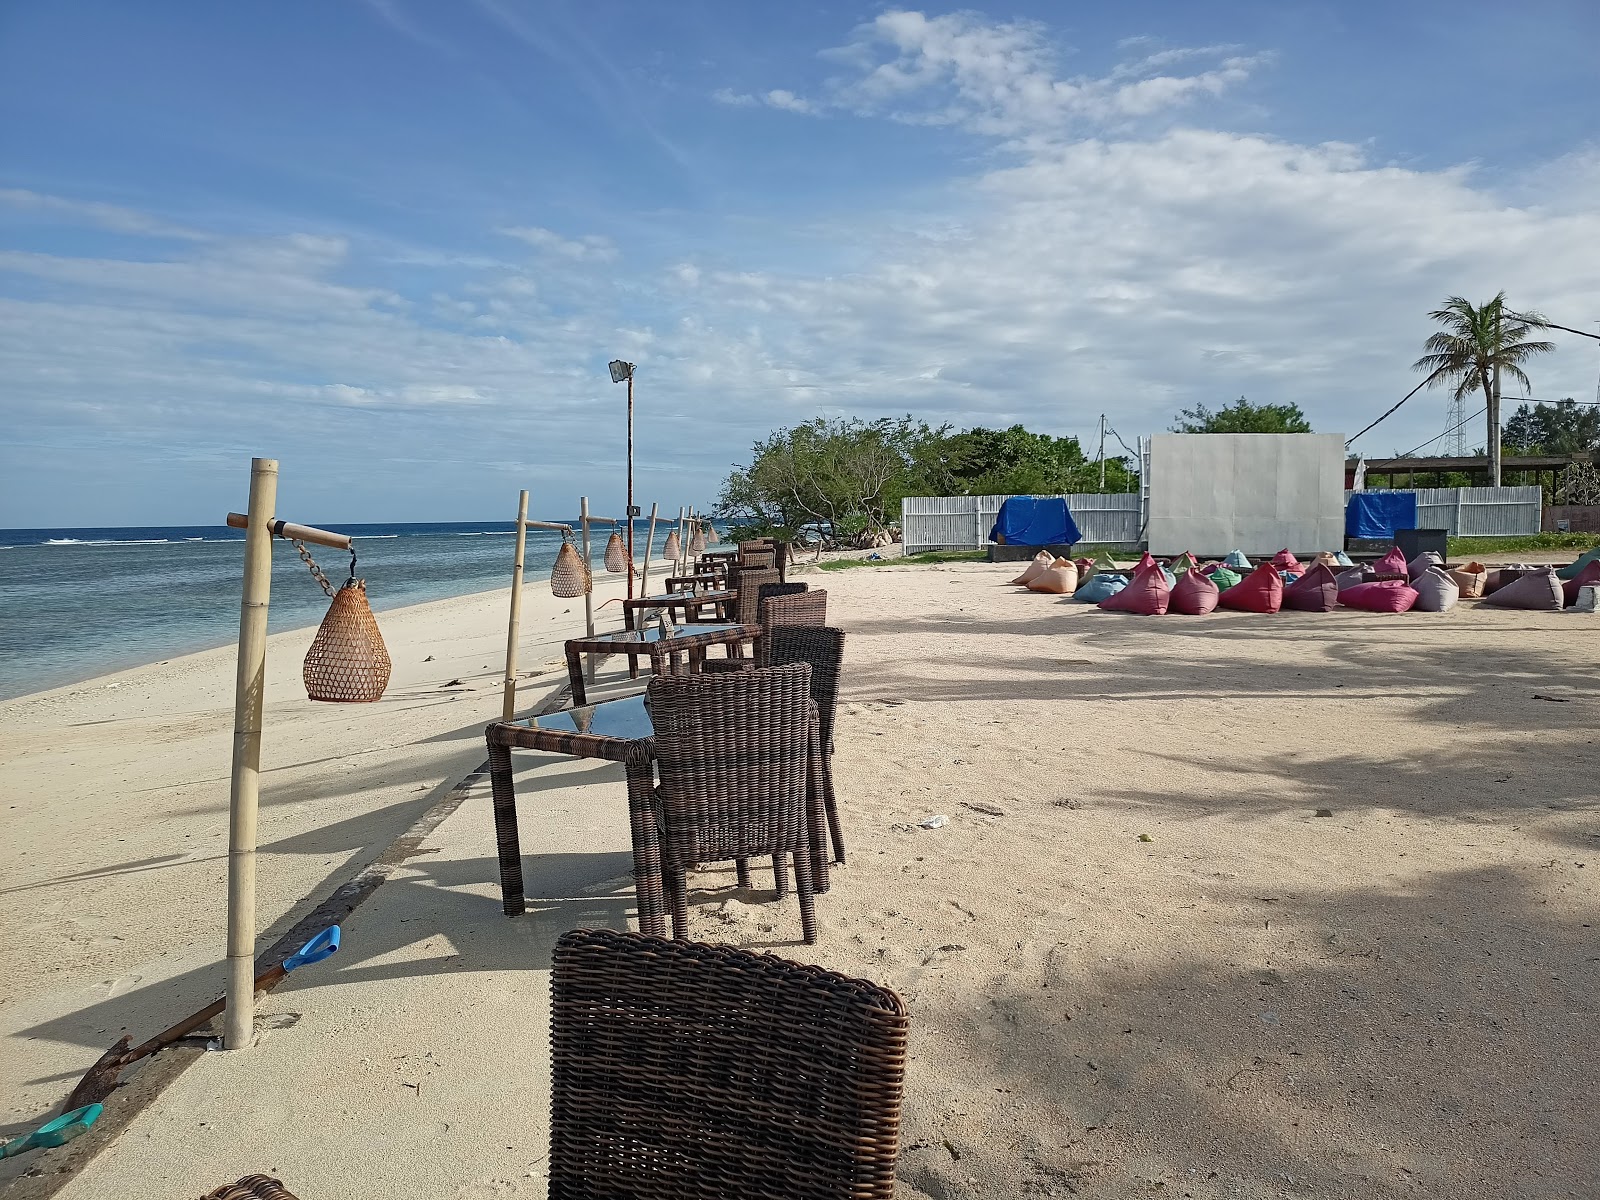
(103, 216)
(589, 248)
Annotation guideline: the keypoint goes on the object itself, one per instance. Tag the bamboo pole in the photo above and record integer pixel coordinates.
(649, 541)
(588, 596)
(299, 533)
(508, 702)
(245, 789)
(677, 563)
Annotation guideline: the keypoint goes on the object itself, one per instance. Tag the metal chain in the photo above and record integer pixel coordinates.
(316, 571)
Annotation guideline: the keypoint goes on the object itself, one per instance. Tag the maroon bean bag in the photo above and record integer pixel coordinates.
(1315, 591)
(1589, 574)
(1392, 563)
(1285, 560)
(1382, 596)
(1261, 591)
(1145, 560)
(1147, 593)
(1194, 595)
(1538, 590)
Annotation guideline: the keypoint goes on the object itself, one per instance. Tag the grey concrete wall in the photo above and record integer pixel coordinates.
(1257, 492)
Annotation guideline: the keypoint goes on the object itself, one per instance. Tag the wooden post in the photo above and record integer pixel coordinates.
(649, 541)
(508, 703)
(677, 563)
(588, 596)
(248, 699)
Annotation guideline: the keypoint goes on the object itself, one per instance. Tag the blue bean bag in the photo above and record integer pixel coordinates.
(1236, 559)
(1102, 587)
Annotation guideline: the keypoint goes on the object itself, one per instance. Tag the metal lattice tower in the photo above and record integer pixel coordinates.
(1454, 442)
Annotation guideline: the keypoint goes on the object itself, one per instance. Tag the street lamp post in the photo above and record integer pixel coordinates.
(620, 372)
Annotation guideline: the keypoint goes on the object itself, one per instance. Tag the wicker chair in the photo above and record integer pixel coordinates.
(732, 755)
(680, 1069)
(823, 650)
(779, 604)
(251, 1187)
(748, 583)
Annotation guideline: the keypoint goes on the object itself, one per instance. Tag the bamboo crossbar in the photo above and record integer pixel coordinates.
(299, 533)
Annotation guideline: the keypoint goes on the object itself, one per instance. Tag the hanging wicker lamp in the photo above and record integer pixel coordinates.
(697, 544)
(713, 538)
(348, 662)
(570, 575)
(673, 550)
(616, 554)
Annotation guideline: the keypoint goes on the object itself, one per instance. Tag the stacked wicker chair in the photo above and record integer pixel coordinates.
(680, 1070)
(823, 650)
(732, 754)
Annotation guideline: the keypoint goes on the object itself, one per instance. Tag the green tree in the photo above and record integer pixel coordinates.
(1243, 417)
(1477, 343)
(1564, 427)
(1015, 462)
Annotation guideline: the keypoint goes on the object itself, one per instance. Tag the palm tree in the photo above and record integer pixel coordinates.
(1477, 345)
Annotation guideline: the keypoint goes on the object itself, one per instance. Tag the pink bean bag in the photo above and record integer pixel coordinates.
(1381, 596)
(1194, 595)
(1285, 560)
(1145, 560)
(1315, 591)
(1147, 593)
(1041, 562)
(1261, 591)
(1055, 581)
(1589, 574)
(1537, 590)
(1393, 563)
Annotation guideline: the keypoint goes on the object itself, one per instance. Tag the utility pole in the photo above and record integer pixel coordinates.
(1102, 452)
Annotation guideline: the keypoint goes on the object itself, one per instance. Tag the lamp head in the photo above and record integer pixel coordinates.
(621, 370)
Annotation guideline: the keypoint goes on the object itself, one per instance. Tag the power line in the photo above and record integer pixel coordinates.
(1446, 433)
(1351, 441)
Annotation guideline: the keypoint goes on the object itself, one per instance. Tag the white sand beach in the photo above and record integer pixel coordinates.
(1392, 998)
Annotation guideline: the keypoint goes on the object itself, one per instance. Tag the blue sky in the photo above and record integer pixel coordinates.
(393, 243)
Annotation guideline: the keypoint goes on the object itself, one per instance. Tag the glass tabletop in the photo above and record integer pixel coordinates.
(683, 597)
(628, 719)
(653, 634)
(720, 550)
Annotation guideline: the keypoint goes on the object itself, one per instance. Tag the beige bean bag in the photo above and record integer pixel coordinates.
(1041, 561)
(1056, 581)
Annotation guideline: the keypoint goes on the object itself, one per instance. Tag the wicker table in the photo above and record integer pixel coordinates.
(690, 602)
(689, 639)
(618, 730)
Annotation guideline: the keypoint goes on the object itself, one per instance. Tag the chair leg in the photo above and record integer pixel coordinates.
(678, 897)
(835, 831)
(741, 867)
(808, 906)
(780, 875)
(506, 838)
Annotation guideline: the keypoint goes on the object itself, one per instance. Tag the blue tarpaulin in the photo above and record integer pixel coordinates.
(1377, 515)
(1034, 521)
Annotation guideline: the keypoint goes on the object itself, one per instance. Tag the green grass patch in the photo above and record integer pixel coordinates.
(1526, 541)
(911, 560)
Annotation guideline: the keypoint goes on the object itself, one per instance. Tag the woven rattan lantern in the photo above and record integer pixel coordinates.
(697, 544)
(713, 538)
(616, 554)
(570, 575)
(348, 662)
(673, 550)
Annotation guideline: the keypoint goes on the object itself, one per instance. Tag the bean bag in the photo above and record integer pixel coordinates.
(1104, 562)
(1588, 598)
(1471, 578)
(1422, 562)
(1342, 559)
(1315, 591)
(1350, 578)
(1193, 595)
(1569, 589)
(1571, 571)
(1042, 562)
(1085, 567)
(1393, 563)
(1225, 577)
(1147, 594)
(1182, 563)
(1172, 579)
(1288, 577)
(1105, 583)
(1237, 558)
(1261, 591)
(1056, 581)
(1502, 577)
(1285, 560)
(1381, 595)
(1064, 562)
(1537, 590)
(1436, 590)
(1210, 567)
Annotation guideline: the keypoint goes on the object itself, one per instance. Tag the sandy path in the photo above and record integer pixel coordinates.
(1394, 1000)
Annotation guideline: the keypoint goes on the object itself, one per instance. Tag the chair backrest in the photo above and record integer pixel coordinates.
(822, 649)
(747, 581)
(794, 608)
(680, 1069)
(769, 590)
(731, 751)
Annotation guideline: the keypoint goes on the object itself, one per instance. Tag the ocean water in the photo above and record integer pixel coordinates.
(76, 603)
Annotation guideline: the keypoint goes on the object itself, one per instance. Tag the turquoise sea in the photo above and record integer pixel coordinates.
(76, 603)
